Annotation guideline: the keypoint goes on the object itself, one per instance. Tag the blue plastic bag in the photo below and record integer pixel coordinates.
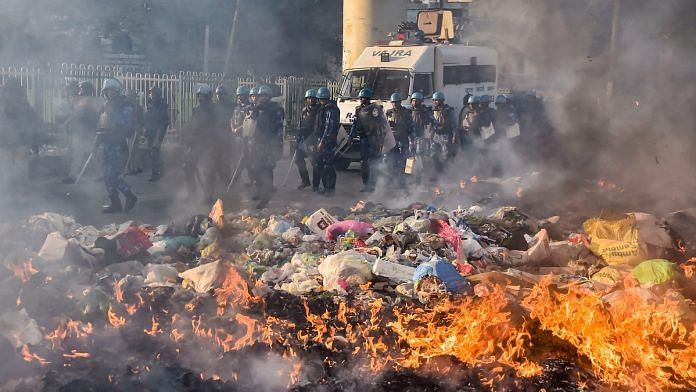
(446, 272)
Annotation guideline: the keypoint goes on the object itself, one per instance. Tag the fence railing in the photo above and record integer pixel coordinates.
(47, 93)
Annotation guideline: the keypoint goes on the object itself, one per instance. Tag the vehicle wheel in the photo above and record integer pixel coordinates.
(342, 164)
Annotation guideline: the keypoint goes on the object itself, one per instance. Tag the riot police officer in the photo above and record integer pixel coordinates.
(116, 125)
(423, 120)
(305, 133)
(204, 161)
(253, 95)
(369, 125)
(225, 107)
(265, 137)
(505, 117)
(401, 123)
(443, 137)
(327, 126)
(156, 124)
(82, 121)
(241, 107)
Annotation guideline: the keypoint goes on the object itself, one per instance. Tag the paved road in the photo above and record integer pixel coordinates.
(160, 202)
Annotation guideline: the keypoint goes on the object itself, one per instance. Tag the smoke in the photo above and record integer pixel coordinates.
(641, 136)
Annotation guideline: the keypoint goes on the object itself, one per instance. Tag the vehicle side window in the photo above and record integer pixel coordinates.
(423, 83)
(462, 74)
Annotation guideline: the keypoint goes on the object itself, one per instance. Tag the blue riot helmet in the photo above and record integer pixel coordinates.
(111, 84)
(396, 97)
(439, 96)
(311, 93)
(323, 93)
(501, 99)
(417, 96)
(486, 99)
(204, 90)
(242, 90)
(474, 99)
(265, 90)
(254, 91)
(365, 93)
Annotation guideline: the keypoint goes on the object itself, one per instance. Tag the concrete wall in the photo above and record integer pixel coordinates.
(368, 21)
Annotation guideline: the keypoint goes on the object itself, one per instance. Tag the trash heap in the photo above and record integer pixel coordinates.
(416, 299)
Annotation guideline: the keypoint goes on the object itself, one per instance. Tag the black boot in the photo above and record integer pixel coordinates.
(131, 198)
(114, 207)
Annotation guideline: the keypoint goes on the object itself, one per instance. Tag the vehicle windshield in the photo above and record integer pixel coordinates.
(382, 82)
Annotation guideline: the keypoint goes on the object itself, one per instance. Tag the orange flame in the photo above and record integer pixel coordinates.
(74, 354)
(155, 328)
(114, 319)
(29, 356)
(632, 343)
(23, 272)
(234, 289)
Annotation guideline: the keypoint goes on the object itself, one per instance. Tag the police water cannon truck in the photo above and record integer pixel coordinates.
(425, 58)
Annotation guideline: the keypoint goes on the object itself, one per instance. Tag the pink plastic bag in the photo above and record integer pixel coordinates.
(337, 229)
(444, 230)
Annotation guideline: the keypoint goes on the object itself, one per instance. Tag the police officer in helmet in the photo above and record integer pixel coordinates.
(305, 145)
(369, 126)
(204, 161)
(116, 125)
(401, 123)
(327, 126)
(156, 124)
(265, 144)
(423, 119)
(443, 138)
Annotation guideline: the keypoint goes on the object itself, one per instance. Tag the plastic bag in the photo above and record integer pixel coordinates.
(615, 241)
(363, 229)
(446, 272)
(656, 271)
(217, 215)
(344, 269)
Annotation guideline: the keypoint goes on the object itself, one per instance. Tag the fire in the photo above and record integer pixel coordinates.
(632, 343)
(359, 206)
(473, 331)
(118, 292)
(29, 356)
(69, 329)
(155, 328)
(462, 184)
(176, 335)
(474, 179)
(114, 319)
(234, 289)
(22, 272)
(74, 354)
(251, 328)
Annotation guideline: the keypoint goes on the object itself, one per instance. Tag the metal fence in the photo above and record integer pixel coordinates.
(46, 88)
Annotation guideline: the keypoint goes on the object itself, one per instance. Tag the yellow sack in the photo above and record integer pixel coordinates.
(615, 241)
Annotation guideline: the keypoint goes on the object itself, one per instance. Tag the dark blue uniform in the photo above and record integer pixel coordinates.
(306, 141)
(327, 126)
(401, 123)
(265, 148)
(368, 126)
(117, 124)
(156, 124)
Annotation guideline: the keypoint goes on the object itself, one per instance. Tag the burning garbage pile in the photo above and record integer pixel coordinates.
(367, 298)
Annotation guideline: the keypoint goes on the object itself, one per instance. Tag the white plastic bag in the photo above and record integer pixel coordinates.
(343, 269)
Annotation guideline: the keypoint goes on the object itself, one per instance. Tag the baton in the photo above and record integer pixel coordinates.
(130, 154)
(236, 170)
(84, 167)
(292, 161)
